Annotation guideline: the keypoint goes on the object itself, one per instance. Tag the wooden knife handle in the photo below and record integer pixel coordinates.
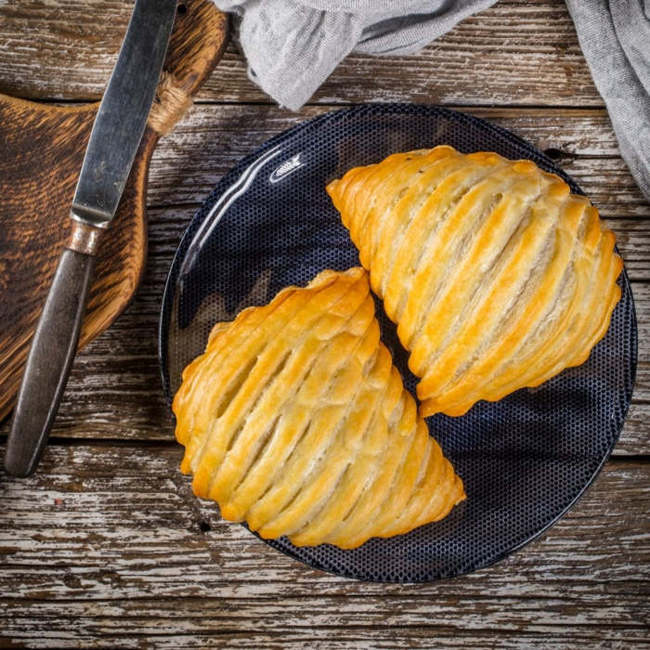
(50, 356)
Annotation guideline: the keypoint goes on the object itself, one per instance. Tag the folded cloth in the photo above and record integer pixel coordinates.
(615, 38)
(292, 46)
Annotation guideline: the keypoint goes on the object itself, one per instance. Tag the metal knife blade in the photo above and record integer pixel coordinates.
(114, 141)
(123, 112)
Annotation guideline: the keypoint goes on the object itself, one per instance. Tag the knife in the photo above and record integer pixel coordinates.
(113, 143)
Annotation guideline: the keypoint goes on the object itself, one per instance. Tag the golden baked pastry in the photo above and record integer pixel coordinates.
(496, 275)
(295, 420)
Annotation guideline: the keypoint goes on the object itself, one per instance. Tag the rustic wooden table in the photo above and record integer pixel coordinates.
(106, 547)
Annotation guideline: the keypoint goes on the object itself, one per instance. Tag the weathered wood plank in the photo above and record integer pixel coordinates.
(209, 615)
(571, 131)
(523, 53)
(328, 622)
(107, 546)
(121, 521)
(336, 638)
(212, 139)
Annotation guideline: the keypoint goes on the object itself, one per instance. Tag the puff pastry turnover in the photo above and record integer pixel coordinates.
(295, 420)
(496, 275)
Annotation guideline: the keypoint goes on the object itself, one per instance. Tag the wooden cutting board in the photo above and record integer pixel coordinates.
(41, 151)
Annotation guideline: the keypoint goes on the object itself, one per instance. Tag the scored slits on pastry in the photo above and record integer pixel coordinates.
(295, 420)
(496, 276)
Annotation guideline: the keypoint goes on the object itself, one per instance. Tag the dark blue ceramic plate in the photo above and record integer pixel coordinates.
(269, 223)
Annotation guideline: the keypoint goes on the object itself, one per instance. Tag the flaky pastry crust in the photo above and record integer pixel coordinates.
(295, 421)
(496, 275)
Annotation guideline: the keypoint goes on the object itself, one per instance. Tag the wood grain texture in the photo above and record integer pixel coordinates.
(109, 547)
(517, 52)
(43, 151)
(213, 138)
(35, 226)
(328, 622)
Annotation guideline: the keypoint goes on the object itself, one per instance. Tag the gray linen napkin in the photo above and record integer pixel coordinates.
(292, 46)
(615, 38)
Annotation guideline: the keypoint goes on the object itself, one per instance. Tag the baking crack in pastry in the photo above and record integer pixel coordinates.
(496, 275)
(296, 421)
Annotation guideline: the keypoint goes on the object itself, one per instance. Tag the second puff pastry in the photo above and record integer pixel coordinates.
(295, 420)
(496, 275)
